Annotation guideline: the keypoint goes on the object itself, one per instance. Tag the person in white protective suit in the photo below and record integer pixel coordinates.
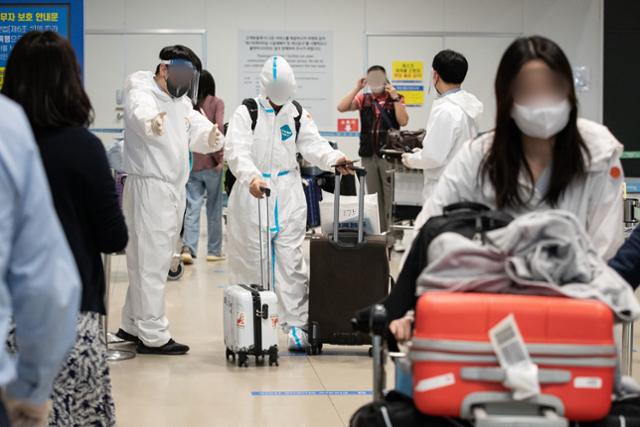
(161, 127)
(540, 156)
(453, 120)
(266, 157)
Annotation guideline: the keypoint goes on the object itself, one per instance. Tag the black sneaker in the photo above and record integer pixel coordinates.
(124, 335)
(171, 348)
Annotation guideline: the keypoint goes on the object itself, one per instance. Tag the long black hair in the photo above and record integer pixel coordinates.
(206, 87)
(502, 164)
(179, 51)
(43, 76)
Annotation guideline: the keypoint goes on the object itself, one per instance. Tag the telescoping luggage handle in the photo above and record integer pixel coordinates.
(267, 192)
(361, 173)
(378, 323)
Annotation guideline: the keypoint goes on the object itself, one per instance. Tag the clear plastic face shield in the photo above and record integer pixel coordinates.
(183, 79)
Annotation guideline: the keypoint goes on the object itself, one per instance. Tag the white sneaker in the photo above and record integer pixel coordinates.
(298, 339)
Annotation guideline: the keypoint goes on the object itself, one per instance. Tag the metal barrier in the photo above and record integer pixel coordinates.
(626, 358)
(113, 355)
(626, 362)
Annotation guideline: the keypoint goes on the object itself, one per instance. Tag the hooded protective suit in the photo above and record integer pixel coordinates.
(453, 121)
(270, 153)
(154, 196)
(595, 199)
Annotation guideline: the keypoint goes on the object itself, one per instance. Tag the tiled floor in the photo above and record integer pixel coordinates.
(202, 389)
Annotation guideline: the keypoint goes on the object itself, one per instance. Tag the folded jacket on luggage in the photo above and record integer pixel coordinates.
(540, 253)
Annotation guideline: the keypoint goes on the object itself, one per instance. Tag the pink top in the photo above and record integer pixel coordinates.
(213, 108)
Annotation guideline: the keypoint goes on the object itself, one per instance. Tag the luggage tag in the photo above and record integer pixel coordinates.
(520, 371)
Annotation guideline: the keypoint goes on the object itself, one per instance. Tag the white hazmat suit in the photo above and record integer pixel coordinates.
(154, 196)
(596, 199)
(453, 121)
(269, 153)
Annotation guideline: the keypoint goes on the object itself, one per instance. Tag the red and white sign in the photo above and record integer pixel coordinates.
(240, 321)
(348, 125)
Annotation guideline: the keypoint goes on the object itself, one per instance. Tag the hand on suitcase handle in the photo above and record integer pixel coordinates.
(266, 191)
(402, 328)
(257, 188)
(345, 166)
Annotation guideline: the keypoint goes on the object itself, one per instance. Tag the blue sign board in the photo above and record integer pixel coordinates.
(17, 19)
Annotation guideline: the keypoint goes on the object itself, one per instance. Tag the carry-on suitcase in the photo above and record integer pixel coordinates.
(251, 312)
(312, 194)
(349, 270)
(456, 371)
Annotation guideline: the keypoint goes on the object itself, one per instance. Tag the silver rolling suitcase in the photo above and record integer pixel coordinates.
(251, 312)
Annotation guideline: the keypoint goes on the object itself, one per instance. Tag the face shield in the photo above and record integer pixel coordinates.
(183, 79)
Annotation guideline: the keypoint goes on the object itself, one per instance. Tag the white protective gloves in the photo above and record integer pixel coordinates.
(216, 139)
(412, 160)
(157, 124)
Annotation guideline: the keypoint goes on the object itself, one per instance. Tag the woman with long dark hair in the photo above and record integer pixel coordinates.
(205, 180)
(43, 76)
(540, 156)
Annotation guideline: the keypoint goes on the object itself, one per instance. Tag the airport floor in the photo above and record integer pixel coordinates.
(203, 389)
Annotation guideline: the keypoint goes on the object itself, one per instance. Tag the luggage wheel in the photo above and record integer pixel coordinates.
(273, 356)
(314, 349)
(231, 355)
(243, 359)
(370, 352)
(315, 345)
(176, 273)
(259, 359)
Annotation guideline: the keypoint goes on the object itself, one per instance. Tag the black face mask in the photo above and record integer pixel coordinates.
(177, 90)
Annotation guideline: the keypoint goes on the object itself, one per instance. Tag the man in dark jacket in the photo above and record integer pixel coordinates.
(627, 260)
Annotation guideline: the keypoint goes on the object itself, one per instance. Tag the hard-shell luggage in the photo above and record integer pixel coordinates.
(456, 370)
(349, 270)
(312, 194)
(251, 311)
(469, 219)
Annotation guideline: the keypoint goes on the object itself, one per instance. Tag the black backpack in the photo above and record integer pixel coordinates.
(252, 105)
(397, 410)
(466, 218)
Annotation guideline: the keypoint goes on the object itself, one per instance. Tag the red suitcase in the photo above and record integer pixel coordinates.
(455, 368)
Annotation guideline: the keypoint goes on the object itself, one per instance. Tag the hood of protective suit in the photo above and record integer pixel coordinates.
(146, 80)
(601, 143)
(471, 105)
(277, 81)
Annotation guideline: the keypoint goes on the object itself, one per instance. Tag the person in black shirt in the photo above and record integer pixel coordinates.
(43, 76)
(381, 108)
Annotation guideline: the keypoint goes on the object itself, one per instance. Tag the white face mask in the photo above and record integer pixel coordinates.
(542, 119)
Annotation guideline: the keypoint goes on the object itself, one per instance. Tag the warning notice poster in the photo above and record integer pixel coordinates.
(310, 54)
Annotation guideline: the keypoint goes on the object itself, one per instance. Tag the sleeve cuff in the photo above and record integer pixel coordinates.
(333, 159)
(22, 390)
